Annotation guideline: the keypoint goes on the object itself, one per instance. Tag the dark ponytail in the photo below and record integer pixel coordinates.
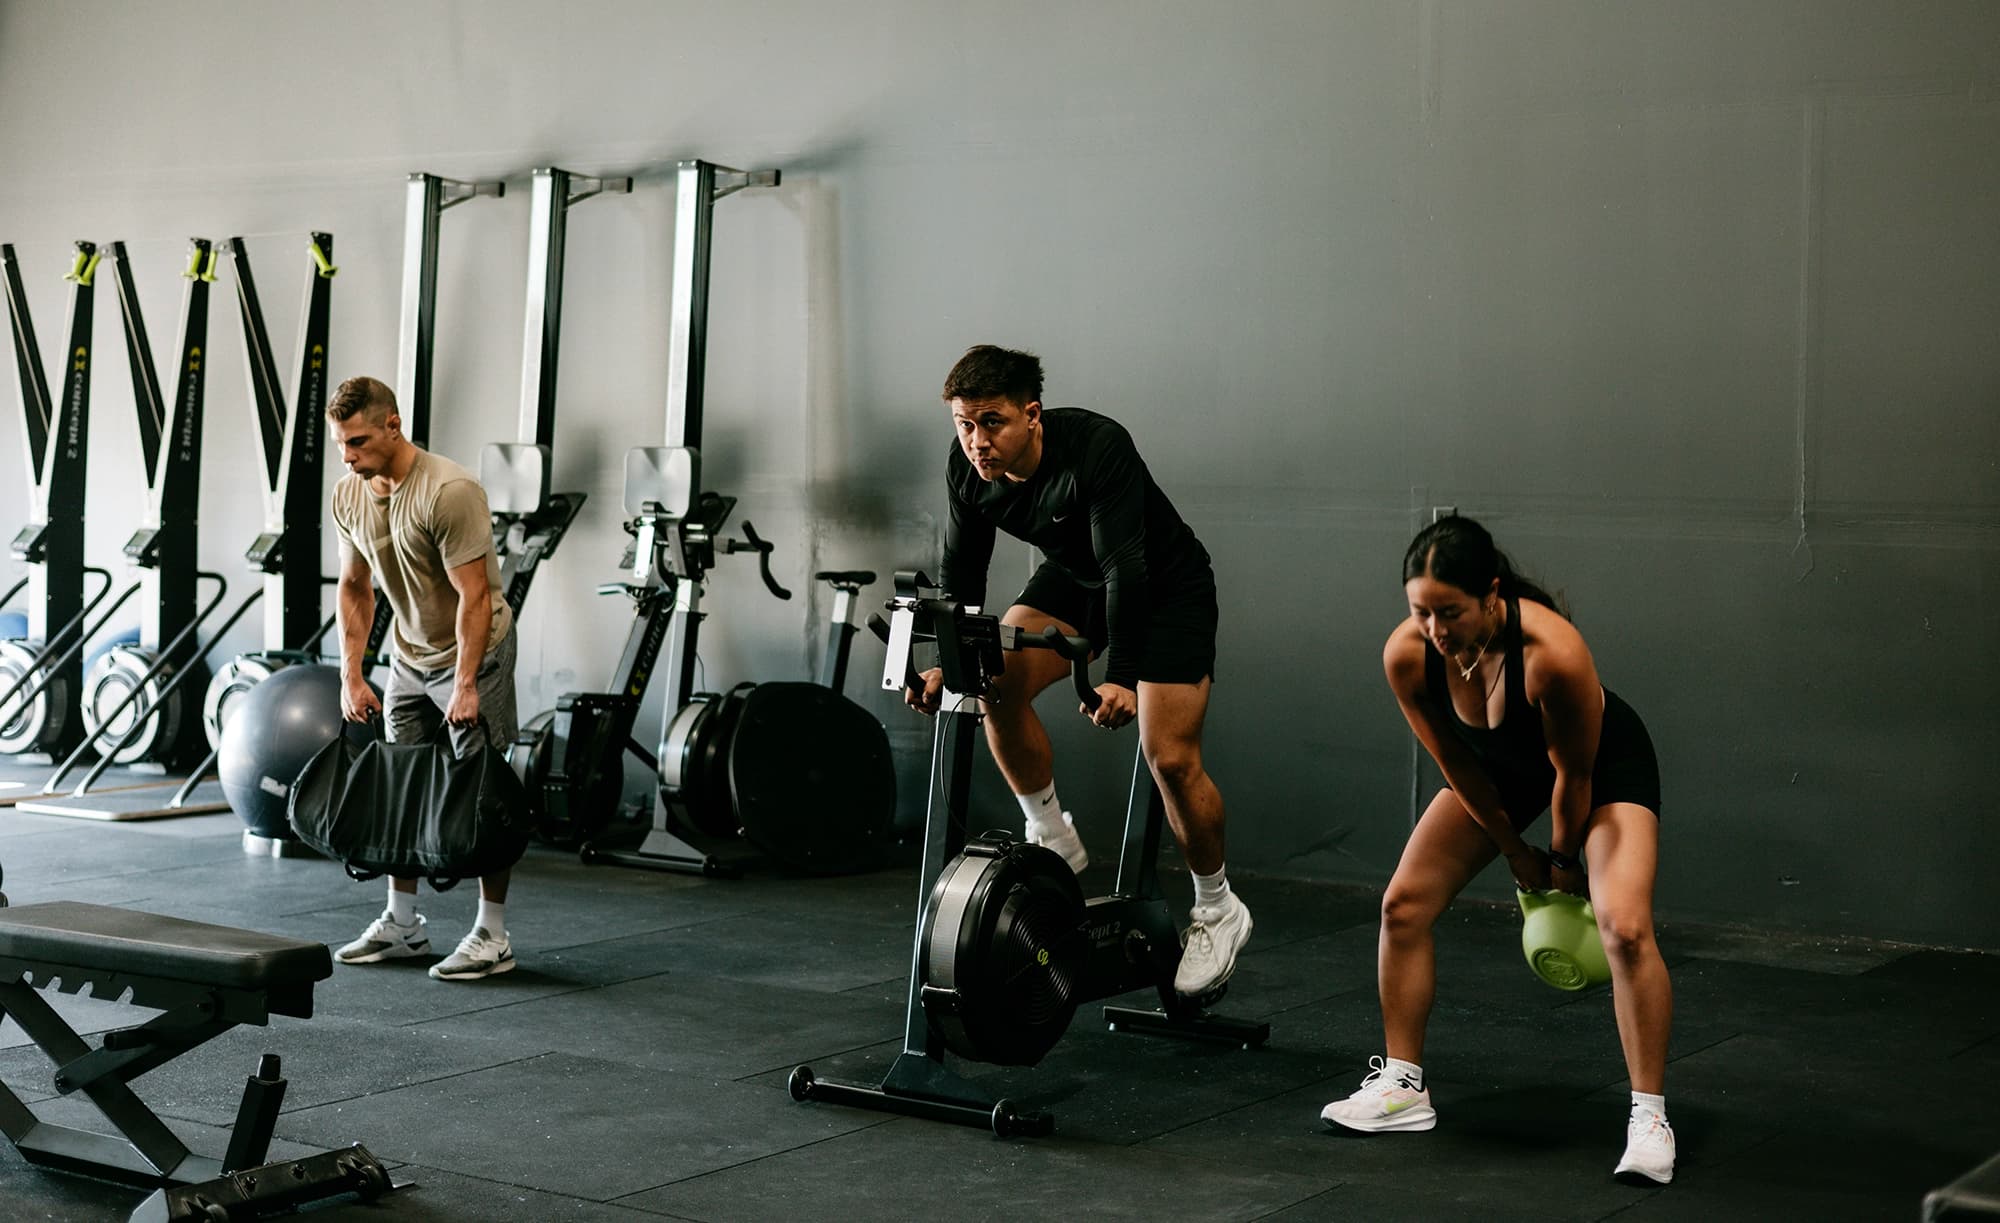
(1459, 552)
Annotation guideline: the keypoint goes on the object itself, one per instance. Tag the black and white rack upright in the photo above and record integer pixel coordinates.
(41, 674)
(139, 699)
(291, 435)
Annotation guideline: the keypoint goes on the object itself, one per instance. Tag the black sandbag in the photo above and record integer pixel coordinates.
(412, 810)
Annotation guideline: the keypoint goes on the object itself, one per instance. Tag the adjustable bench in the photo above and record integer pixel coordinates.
(205, 979)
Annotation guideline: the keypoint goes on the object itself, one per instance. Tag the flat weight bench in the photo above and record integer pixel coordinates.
(206, 980)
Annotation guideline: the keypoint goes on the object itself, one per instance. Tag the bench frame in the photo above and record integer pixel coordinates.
(145, 1152)
(223, 980)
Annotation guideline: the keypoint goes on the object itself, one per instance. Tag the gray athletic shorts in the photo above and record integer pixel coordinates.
(414, 703)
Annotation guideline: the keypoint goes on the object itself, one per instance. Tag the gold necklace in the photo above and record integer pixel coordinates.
(1465, 672)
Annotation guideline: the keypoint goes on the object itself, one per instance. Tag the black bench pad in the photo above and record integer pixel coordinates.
(99, 938)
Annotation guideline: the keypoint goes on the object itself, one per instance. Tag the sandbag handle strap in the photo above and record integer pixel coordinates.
(439, 883)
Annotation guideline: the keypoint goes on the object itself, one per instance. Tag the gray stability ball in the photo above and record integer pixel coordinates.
(271, 734)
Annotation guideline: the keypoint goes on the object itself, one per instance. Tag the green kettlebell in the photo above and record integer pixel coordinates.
(1559, 937)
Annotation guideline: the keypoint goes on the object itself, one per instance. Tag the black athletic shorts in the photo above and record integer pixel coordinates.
(1180, 627)
(1626, 770)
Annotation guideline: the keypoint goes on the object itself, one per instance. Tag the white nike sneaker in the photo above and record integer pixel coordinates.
(479, 955)
(1209, 946)
(384, 939)
(1387, 1100)
(1064, 841)
(1649, 1149)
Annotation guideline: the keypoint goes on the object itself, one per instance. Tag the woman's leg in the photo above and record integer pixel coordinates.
(1622, 852)
(1444, 852)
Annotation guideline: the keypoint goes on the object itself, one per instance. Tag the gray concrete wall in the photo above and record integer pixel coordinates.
(1694, 303)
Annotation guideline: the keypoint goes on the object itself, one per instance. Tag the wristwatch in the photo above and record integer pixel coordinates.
(1561, 861)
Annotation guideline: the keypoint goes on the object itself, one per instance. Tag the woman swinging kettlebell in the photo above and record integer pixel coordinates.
(1500, 688)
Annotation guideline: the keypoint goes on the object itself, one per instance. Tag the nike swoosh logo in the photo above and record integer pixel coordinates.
(1399, 1106)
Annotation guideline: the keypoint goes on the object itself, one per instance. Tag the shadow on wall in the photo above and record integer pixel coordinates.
(844, 444)
(850, 520)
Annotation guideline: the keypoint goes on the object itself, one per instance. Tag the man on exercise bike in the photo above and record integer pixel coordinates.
(1121, 569)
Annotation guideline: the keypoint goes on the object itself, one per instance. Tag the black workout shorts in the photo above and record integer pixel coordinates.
(1626, 770)
(1180, 625)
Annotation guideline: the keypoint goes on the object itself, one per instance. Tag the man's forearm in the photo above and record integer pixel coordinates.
(355, 611)
(1125, 613)
(473, 623)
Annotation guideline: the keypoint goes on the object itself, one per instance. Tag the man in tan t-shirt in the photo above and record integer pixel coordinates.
(417, 523)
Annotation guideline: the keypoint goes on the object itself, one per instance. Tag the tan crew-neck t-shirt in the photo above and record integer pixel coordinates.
(435, 521)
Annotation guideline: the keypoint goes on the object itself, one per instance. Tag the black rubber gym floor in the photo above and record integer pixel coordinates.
(634, 1065)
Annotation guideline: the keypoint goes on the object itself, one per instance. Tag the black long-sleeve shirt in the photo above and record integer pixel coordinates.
(1093, 510)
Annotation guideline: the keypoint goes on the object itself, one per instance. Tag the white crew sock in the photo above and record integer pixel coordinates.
(1044, 813)
(402, 906)
(1409, 1070)
(1643, 1103)
(492, 918)
(1210, 890)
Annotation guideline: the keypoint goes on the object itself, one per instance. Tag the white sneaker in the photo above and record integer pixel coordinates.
(384, 939)
(1209, 946)
(1649, 1149)
(1387, 1101)
(479, 955)
(1064, 841)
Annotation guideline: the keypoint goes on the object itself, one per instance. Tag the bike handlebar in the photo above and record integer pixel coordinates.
(1076, 650)
(763, 550)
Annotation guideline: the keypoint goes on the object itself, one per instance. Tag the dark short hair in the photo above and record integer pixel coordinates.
(361, 395)
(1459, 552)
(987, 371)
